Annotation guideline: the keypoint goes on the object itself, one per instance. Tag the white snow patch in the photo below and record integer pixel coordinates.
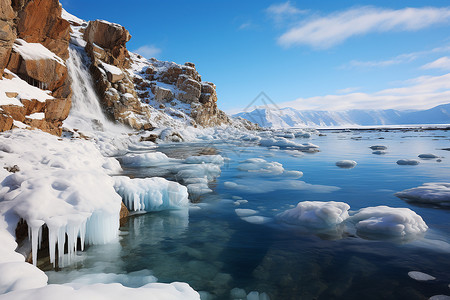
(112, 69)
(35, 51)
(22, 88)
(20, 125)
(36, 116)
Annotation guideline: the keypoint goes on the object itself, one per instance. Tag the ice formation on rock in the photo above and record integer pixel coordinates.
(151, 194)
(387, 221)
(428, 193)
(316, 214)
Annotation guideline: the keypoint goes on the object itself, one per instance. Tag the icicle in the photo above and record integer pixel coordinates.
(34, 226)
(61, 242)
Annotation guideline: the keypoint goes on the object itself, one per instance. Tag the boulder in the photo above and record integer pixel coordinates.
(170, 76)
(6, 122)
(162, 94)
(190, 90)
(7, 32)
(106, 35)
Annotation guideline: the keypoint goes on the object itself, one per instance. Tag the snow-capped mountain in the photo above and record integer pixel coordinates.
(289, 117)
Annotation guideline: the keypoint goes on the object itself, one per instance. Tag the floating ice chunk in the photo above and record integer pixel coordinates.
(301, 134)
(210, 159)
(242, 212)
(151, 194)
(428, 156)
(256, 219)
(145, 159)
(256, 186)
(379, 152)
(384, 221)
(132, 279)
(286, 144)
(429, 193)
(316, 214)
(440, 297)
(346, 164)
(261, 166)
(187, 171)
(410, 162)
(378, 147)
(198, 189)
(419, 276)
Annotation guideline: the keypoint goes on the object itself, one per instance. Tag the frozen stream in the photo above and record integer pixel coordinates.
(221, 251)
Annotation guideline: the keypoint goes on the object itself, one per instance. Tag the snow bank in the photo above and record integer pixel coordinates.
(63, 184)
(23, 90)
(429, 193)
(387, 221)
(316, 214)
(410, 162)
(112, 69)
(151, 194)
(346, 164)
(35, 51)
(116, 291)
(145, 159)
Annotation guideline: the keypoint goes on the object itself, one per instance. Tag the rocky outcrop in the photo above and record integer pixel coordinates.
(34, 42)
(106, 46)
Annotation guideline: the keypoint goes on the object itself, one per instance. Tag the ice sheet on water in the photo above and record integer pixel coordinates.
(241, 212)
(316, 214)
(429, 193)
(263, 167)
(210, 159)
(383, 221)
(252, 185)
(151, 194)
(256, 219)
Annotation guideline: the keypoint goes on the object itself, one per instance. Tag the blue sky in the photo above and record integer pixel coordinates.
(306, 54)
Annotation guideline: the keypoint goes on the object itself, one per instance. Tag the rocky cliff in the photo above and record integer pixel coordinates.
(135, 89)
(34, 46)
(35, 88)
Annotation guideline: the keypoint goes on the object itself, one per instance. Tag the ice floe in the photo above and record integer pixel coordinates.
(283, 143)
(429, 193)
(254, 186)
(419, 276)
(241, 212)
(378, 147)
(346, 164)
(145, 159)
(409, 162)
(263, 167)
(384, 221)
(379, 152)
(316, 214)
(428, 156)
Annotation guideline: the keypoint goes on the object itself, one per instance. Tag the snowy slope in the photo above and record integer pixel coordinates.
(289, 117)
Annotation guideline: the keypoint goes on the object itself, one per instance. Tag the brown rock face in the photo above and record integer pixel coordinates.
(39, 21)
(35, 21)
(7, 32)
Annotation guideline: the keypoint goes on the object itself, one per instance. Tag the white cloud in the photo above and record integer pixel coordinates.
(348, 90)
(442, 63)
(148, 51)
(399, 59)
(325, 32)
(418, 93)
(281, 11)
(246, 25)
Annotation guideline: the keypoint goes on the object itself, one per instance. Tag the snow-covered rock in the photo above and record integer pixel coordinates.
(429, 193)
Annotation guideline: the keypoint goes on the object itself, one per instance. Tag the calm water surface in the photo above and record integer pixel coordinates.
(214, 250)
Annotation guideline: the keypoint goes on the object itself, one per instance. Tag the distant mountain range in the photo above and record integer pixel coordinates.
(289, 117)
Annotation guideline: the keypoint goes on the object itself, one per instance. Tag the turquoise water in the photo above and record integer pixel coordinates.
(214, 250)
